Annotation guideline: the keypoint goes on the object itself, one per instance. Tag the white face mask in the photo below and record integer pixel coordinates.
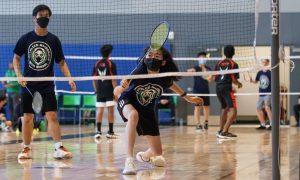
(202, 61)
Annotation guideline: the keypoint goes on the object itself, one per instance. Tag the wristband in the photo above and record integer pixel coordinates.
(184, 94)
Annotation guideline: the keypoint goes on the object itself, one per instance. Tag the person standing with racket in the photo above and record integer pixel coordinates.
(136, 105)
(201, 87)
(225, 92)
(40, 49)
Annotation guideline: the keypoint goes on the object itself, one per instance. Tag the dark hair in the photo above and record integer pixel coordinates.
(2, 98)
(106, 50)
(229, 51)
(39, 8)
(201, 54)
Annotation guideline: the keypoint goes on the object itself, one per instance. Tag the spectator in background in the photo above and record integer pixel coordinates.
(12, 90)
(166, 102)
(264, 101)
(104, 90)
(5, 124)
(201, 87)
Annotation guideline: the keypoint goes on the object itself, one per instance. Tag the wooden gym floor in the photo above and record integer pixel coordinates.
(189, 155)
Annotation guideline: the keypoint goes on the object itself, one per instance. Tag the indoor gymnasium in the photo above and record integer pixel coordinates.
(138, 90)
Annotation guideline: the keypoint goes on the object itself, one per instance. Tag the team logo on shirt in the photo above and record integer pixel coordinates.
(102, 73)
(39, 55)
(146, 93)
(264, 82)
(223, 76)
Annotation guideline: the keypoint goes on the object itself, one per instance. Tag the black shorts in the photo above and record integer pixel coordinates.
(147, 124)
(226, 98)
(49, 103)
(206, 101)
(105, 101)
(101, 98)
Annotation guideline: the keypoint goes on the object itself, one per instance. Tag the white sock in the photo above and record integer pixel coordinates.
(57, 145)
(26, 146)
(263, 124)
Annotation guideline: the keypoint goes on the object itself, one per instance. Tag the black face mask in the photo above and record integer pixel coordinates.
(42, 22)
(153, 64)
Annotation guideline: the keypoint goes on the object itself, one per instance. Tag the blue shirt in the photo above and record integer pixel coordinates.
(200, 84)
(143, 92)
(40, 53)
(264, 79)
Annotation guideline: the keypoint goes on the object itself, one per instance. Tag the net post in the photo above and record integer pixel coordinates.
(275, 89)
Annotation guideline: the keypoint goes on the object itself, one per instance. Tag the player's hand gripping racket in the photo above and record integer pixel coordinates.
(158, 38)
(37, 101)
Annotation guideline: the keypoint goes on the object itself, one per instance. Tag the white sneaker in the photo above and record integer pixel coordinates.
(25, 154)
(112, 135)
(98, 135)
(139, 157)
(129, 168)
(158, 161)
(62, 153)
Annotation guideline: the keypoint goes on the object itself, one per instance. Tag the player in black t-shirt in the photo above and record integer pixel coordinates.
(104, 90)
(201, 87)
(225, 93)
(136, 105)
(40, 49)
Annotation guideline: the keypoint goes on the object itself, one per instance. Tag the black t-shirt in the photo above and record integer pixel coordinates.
(143, 92)
(264, 79)
(104, 67)
(224, 81)
(200, 84)
(40, 53)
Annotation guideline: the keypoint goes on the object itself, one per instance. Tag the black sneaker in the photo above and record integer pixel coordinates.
(205, 125)
(226, 135)
(229, 134)
(269, 128)
(222, 135)
(198, 127)
(261, 127)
